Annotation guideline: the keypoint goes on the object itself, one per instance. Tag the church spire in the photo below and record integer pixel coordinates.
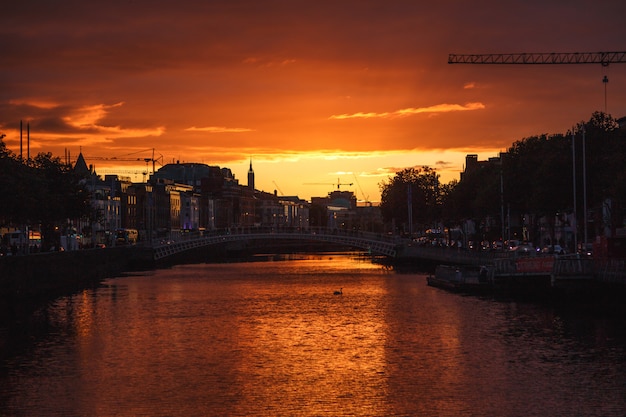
(251, 176)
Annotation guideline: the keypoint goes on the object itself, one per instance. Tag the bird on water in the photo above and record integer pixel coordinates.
(340, 292)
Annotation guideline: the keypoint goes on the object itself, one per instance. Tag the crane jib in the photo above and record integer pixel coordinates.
(603, 58)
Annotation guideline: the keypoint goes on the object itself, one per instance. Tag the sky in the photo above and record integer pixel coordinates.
(318, 95)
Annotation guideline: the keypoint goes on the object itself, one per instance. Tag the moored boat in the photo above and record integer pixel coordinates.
(461, 278)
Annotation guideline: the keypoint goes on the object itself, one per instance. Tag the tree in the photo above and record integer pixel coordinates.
(17, 200)
(537, 178)
(604, 153)
(40, 191)
(422, 185)
(65, 195)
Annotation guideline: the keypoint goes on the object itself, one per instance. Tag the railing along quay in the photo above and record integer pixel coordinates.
(446, 255)
(559, 270)
(611, 271)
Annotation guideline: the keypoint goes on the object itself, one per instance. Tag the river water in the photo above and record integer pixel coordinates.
(271, 339)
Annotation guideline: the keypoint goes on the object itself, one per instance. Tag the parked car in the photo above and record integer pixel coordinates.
(525, 249)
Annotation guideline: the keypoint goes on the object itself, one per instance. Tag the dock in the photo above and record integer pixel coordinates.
(521, 273)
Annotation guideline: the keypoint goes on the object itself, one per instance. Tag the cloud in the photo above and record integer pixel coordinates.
(38, 103)
(269, 62)
(438, 108)
(87, 119)
(443, 164)
(88, 116)
(383, 172)
(219, 129)
(54, 125)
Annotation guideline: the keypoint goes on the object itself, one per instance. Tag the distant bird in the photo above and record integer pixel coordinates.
(340, 292)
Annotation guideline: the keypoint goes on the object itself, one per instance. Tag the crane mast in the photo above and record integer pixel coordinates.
(603, 58)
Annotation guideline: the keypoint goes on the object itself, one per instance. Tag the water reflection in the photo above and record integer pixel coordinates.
(270, 338)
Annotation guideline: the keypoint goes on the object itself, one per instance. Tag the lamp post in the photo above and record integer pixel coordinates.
(584, 190)
(502, 201)
(149, 213)
(410, 208)
(605, 81)
(574, 190)
(584, 179)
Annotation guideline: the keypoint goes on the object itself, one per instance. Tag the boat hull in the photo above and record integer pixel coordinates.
(461, 278)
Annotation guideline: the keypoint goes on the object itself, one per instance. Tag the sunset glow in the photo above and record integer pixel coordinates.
(309, 92)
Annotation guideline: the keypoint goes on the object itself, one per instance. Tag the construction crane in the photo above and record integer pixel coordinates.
(602, 58)
(365, 197)
(127, 158)
(339, 184)
(129, 172)
(278, 188)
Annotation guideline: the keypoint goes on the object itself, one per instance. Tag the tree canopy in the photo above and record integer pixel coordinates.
(42, 190)
(536, 177)
(420, 186)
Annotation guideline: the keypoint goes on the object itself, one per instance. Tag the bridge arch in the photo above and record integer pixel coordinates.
(377, 244)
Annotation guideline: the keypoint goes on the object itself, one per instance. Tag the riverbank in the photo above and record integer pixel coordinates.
(246, 338)
(47, 275)
(588, 295)
(41, 277)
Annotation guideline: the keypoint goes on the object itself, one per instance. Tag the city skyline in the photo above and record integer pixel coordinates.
(320, 93)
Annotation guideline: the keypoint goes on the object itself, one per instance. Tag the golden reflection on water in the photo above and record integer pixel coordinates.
(313, 348)
(270, 339)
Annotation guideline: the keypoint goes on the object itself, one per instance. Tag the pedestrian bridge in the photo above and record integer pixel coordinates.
(375, 243)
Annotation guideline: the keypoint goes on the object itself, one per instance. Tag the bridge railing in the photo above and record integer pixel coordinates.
(251, 230)
(374, 242)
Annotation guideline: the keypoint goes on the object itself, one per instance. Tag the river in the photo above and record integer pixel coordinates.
(271, 338)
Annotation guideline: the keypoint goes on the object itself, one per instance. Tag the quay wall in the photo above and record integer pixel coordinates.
(47, 275)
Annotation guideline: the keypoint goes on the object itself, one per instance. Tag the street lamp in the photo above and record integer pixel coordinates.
(149, 212)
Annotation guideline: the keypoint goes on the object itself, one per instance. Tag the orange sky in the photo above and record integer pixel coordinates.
(313, 92)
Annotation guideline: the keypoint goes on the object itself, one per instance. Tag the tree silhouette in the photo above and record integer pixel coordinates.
(423, 183)
(41, 191)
